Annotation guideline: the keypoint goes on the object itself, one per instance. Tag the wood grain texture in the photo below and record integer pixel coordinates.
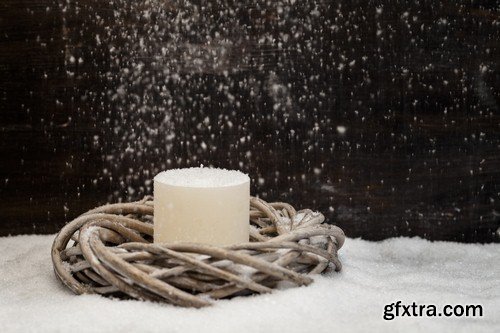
(415, 85)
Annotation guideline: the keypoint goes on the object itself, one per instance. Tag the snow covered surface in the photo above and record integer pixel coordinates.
(375, 274)
(202, 177)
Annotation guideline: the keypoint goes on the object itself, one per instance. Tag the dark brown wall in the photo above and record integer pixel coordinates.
(97, 97)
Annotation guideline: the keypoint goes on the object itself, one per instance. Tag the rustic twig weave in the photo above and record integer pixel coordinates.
(109, 251)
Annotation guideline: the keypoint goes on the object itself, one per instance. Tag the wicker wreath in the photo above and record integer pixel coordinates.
(112, 254)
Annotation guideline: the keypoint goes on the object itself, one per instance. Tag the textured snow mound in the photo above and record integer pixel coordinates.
(374, 274)
(202, 177)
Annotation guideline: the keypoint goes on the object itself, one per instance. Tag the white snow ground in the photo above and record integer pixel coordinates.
(375, 274)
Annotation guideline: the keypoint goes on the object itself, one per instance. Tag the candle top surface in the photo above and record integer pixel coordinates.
(202, 177)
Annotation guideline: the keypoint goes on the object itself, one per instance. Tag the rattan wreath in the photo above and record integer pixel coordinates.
(112, 254)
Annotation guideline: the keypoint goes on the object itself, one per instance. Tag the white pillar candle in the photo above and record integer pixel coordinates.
(202, 205)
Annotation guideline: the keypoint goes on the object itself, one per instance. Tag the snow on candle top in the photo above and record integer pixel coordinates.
(202, 177)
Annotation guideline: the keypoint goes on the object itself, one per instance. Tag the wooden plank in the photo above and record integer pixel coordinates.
(384, 117)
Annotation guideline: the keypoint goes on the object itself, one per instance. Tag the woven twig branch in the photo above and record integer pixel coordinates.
(109, 251)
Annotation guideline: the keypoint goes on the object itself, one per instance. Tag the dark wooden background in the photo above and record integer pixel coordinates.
(383, 115)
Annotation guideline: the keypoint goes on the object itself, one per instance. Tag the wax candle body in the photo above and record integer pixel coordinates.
(202, 205)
